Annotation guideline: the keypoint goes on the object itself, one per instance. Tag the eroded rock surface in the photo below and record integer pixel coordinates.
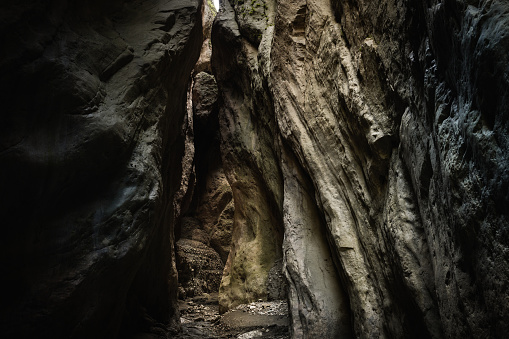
(364, 144)
(248, 138)
(91, 148)
(204, 232)
(387, 120)
(200, 268)
(213, 199)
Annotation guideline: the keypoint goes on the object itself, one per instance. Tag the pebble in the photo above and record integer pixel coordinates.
(200, 319)
(279, 307)
(250, 335)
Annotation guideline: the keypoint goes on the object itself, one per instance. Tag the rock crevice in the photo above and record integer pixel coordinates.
(357, 149)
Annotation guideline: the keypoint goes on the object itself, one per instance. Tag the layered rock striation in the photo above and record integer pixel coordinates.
(377, 133)
(248, 147)
(91, 164)
(359, 148)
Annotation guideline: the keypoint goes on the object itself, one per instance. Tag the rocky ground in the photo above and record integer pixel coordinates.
(200, 318)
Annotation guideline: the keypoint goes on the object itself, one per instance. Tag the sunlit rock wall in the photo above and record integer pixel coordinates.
(248, 147)
(389, 121)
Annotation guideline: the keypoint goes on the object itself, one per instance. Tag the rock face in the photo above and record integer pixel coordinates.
(204, 233)
(318, 301)
(365, 146)
(248, 139)
(383, 129)
(213, 199)
(91, 163)
(200, 268)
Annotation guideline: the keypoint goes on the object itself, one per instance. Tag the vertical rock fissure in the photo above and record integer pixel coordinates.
(358, 149)
(220, 199)
(203, 234)
(248, 139)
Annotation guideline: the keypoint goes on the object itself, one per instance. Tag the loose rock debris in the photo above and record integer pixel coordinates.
(200, 318)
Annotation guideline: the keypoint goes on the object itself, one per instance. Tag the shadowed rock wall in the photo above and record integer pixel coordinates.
(394, 132)
(91, 145)
(204, 233)
(366, 144)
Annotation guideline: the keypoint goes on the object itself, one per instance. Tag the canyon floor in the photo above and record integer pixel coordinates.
(200, 318)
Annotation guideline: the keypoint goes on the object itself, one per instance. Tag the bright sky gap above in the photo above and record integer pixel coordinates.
(216, 4)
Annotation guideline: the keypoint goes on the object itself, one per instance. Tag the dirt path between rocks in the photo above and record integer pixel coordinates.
(200, 318)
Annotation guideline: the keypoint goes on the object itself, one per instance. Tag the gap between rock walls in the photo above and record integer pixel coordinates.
(204, 233)
(331, 169)
(329, 127)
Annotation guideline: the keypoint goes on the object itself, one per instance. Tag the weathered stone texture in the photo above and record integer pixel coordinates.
(204, 233)
(317, 300)
(93, 99)
(248, 151)
(200, 268)
(363, 143)
(208, 15)
(396, 115)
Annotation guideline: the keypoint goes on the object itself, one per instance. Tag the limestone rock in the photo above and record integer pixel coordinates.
(396, 116)
(208, 15)
(250, 162)
(276, 282)
(213, 197)
(205, 229)
(253, 18)
(191, 228)
(200, 268)
(318, 302)
(93, 103)
(221, 232)
(364, 144)
(205, 103)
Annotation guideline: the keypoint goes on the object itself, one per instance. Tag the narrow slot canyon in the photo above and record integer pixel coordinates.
(254, 169)
(248, 301)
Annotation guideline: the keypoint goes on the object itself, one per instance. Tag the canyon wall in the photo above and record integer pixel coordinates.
(92, 167)
(372, 136)
(248, 148)
(364, 145)
(204, 233)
